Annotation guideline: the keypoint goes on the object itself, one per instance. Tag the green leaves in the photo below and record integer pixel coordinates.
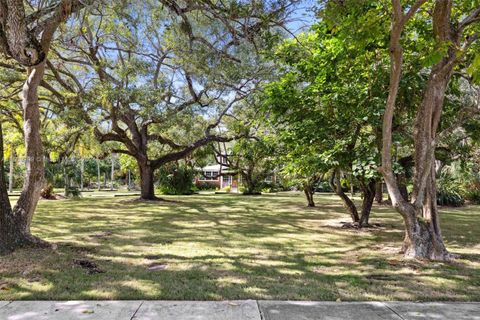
(474, 68)
(436, 55)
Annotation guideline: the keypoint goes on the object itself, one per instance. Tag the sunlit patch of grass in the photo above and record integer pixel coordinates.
(212, 247)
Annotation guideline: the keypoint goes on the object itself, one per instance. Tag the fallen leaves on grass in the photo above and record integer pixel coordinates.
(88, 265)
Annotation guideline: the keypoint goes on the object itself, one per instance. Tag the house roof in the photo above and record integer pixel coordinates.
(213, 167)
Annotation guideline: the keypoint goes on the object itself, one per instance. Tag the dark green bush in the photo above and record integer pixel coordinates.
(448, 191)
(176, 180)
(473, 195)
(205, 186)
(450, 198)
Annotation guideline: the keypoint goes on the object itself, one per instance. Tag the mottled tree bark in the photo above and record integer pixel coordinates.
(12, 169)
(16, 223)
(147, 186)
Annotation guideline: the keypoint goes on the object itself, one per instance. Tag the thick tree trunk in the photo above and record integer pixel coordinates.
(249, 186)
(15, 224)
(11, 171)
(308, 190)
(368, 198)
(249, 182)
(66, 183)
(5, 207)
(146, 181)
(379, 192)
(336, 186)
(423, 237)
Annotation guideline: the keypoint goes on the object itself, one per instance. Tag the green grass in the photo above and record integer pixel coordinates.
(234, 247)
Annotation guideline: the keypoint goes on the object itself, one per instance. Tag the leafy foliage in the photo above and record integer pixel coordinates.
(176, 180)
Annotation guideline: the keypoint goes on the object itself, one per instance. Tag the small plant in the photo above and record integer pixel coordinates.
(227, 189)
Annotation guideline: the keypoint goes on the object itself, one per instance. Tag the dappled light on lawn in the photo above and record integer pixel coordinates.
(218, 247)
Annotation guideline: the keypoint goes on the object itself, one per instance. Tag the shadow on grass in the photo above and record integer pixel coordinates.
(235, 247)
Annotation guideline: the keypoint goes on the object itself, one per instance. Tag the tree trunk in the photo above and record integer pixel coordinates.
(112, 176)
(308, 189)
(5, 207)
(379, 192)
(11, 171)
(99, 182)
(352, 187)
(423, 237)
(336, 186)
(402, 186)
(146, 181)
(369, 190)
(82, 169)
(15, 224)
(66, 186)
(249, 182)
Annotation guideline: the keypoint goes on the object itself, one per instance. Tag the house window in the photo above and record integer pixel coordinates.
(210, 175)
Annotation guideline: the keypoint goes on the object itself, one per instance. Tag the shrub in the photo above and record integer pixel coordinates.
(448, 191)
(73, 192)
(206, 186)
(473, 195)
(227, 189)
(450, 198)
(176, 180)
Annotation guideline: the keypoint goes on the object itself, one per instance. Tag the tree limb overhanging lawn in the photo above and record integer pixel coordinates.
(212, 247)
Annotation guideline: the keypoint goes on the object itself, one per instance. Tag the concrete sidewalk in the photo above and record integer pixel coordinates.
(234, 310)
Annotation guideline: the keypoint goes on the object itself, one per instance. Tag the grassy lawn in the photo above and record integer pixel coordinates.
(212, 247)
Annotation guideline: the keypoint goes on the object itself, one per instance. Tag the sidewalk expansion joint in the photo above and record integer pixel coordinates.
(393, 310)
(262, 317)
(135, 313)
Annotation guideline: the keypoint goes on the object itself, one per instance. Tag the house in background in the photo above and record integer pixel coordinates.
(218, 176)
